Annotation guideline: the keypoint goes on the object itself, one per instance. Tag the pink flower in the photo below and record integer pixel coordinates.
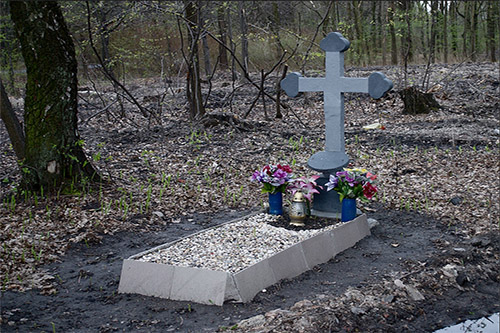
(307, 186)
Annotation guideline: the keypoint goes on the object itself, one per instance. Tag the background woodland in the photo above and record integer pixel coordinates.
(152, 38)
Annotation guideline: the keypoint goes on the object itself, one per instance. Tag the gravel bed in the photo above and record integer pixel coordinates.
(231, 247)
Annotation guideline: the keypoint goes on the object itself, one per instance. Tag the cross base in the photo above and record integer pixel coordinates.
(327, 203)
(328, 161)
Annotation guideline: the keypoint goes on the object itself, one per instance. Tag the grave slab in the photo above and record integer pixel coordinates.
(214, 287)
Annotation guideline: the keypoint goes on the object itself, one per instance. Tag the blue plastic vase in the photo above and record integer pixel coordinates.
(348, 209)
(276, 203)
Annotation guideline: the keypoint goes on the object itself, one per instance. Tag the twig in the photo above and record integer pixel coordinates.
(100, 111)
(106, 71)
(314, 37)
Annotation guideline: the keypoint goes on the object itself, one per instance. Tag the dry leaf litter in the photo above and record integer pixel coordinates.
(445, 164)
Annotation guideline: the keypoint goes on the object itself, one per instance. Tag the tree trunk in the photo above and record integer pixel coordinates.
(382, 31)
(406, 47)
(453, 28)
(244, 38)
(406, 54)
(432, 42)
(334, 16)
(444, 10)
(193, 91)
(358, 27)
(103, 35)
(204, 43)
(206, 56)
(465, 47)
(53, 150)
(476, 6)
(392, 30)
(492, 19)
(374, 37)
(275, 26)
(12, 124)
(222, 36)
(232, 47)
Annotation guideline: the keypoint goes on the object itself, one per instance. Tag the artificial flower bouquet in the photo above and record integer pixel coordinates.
(274, 178)
(353, 184)
(307, 186)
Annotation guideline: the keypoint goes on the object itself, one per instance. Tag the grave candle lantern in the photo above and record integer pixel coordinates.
(298, 209)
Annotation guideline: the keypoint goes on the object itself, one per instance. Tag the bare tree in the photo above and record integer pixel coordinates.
(221, 22)
(492, 19)
(392, 31)
(244, 34)
(193, 84)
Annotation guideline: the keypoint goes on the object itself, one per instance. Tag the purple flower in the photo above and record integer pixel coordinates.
(257, 176)
(332, 182)
(280, 174)
(340, 174)
(350, 178)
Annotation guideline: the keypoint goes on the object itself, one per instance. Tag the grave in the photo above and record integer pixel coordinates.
(215, 286)
(333, 86)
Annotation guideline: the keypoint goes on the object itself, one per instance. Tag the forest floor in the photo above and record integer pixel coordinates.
(431, 261)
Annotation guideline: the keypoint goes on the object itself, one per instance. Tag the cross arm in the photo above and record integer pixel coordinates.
(377, 84)
(351, 84)
(294, 83)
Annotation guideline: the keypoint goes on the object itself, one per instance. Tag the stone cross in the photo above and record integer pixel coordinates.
(333, 86)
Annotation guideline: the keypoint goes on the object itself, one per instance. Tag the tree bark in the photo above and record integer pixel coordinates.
(14, 128)
(382, 31)
(476, 6)
(453, 28)
(392, 31)
(406, 42)
(53, 150)
(244, 38)
(467, 24)
(432, 42)
(193, 91)
(358, 28)
(492, 18)
(406, 54)
(222, 36)
(204, 43)
(444, 10)
(275, 26)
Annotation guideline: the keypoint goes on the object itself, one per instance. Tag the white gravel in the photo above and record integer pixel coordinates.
(231, 247)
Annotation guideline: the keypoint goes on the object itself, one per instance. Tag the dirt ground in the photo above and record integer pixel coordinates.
(431, 261)
(88, 277)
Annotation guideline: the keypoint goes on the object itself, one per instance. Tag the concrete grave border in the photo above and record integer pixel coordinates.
(215, 287)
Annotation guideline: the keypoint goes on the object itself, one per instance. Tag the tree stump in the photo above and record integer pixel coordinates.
(417, 102)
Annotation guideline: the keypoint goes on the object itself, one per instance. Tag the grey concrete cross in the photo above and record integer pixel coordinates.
(333, 86)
